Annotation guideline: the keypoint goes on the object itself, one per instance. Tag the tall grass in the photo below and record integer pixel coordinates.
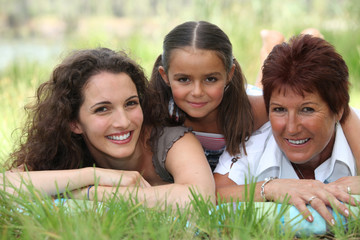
(140, 32)
(32, 215)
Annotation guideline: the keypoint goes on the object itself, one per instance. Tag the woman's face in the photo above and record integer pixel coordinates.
(303, 127)
(110, 118)
(197, 79)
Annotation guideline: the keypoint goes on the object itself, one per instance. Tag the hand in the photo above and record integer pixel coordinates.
(111, 177)
(349, 185)
(312, 192)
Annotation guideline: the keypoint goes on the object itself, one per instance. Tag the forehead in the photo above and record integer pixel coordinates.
(286, 92)
(108, 84)
(189, 56)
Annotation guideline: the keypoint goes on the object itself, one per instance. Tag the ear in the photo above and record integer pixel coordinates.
(75, 127)
(164, 75)
(231, 74)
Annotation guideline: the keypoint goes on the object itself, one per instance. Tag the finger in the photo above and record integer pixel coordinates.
(304, 211)
(341, 208)
(343, 195)
(319, 205)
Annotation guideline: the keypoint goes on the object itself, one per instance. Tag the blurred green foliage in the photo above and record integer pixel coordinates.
(37, 34)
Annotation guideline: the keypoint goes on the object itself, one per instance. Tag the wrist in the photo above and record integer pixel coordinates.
(262, 189)
(87, 175)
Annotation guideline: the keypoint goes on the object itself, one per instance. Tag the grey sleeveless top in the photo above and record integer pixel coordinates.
(162, 146)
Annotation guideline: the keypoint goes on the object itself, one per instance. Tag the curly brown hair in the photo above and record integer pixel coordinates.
(46, 141)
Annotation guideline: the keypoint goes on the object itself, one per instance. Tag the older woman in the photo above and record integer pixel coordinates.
(303, 154)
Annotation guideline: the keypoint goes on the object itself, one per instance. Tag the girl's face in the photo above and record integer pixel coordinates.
(110, 118)
(197, 79)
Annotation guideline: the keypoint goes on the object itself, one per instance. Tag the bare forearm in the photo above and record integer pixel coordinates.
(351, 129)
(172, 194)
(48, 182)
(240, 193)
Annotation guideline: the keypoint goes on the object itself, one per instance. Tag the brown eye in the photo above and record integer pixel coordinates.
(211, 79)
(308, 110)
(101, 109)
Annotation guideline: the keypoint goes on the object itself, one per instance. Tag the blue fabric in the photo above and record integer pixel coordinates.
(213, 156)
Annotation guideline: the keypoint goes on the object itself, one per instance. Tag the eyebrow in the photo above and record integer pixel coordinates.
(305, 103)
(108, 102)
(186, 75)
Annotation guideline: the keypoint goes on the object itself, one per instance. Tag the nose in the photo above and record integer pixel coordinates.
(197, 90)
(293, 124)
(120, 119)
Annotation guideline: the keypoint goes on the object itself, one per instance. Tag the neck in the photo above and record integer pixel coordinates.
(206, 124)
(131, 162)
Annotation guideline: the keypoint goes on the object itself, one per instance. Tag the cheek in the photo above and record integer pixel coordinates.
(179, 93)
(137, 117)
(216, 92)
(277, 124)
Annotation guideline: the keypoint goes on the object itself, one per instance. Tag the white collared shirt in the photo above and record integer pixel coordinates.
(265, 159)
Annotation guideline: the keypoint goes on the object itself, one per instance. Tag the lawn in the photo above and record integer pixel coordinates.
(33, 47)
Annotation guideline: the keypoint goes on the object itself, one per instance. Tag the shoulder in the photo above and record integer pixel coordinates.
(169, 138)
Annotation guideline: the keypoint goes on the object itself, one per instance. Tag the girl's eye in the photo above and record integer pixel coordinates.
(211, 79)
(101, 109)
(308, 110)
(183, 80)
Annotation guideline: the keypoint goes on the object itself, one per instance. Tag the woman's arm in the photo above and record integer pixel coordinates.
(297, 192)
(187, 164)
(351, 129)
(58, 181)
(259, 111)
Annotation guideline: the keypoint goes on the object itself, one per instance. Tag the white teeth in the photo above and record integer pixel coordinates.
(298, 142)
(119, 138)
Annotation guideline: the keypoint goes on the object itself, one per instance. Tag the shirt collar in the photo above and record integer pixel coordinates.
(341, 162)
(274, 157)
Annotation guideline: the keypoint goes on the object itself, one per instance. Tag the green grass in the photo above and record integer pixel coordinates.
(40, 218)
(37, 216)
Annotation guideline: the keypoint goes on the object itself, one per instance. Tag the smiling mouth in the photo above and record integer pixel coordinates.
(119, 137)
(298, 142)
(194, 104)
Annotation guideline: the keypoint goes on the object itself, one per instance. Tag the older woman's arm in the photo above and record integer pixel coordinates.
(298, 192)
(351, 129)
(187, 164)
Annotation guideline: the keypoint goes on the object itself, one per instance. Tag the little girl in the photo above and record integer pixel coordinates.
(203, 87)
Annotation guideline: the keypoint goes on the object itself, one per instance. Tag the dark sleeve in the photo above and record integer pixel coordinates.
(163, 144)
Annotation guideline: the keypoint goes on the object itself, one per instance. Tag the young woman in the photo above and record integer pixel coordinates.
(91, 113)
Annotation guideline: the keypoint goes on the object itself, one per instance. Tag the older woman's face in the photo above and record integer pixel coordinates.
(303, 127)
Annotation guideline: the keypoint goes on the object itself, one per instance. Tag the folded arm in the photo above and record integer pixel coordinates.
(58, 181)
(187, 164)
(297, 192)
(351, 129)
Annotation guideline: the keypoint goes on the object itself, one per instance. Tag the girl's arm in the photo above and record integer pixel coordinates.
(187, 164)
(351, 129)
(259, 111)
(58, 181)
